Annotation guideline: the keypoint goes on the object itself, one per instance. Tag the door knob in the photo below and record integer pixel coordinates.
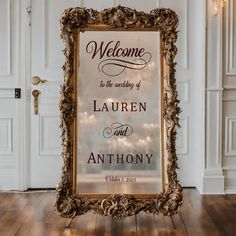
(36, 80)
(35, 94)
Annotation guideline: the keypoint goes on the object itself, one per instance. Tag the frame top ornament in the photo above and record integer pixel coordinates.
(74, 21)
(119, 18)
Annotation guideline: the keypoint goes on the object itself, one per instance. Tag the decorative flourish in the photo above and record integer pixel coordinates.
(122, 65)
(117, 129)
(73, 21)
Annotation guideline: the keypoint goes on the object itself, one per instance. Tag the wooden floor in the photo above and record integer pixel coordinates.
(33, 214)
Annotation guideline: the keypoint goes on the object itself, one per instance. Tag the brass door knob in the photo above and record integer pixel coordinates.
(36, 80)
(35, 94)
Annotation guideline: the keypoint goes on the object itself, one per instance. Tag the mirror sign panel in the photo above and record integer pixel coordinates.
(119, 113)
(118, 116)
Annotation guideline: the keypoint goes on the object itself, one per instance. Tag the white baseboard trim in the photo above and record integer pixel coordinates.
(8, 178)
(230, 180)
(213, 185)
(230, 190)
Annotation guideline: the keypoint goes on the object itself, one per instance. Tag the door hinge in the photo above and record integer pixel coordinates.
(28, 10)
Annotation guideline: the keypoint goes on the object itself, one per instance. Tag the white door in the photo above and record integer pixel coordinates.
(11, 109)
(190, 86)
(47, 59)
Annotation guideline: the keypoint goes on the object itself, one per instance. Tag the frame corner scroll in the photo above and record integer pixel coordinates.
(165, 21)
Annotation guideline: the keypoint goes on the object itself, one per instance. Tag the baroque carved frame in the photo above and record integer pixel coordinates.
(74, 20)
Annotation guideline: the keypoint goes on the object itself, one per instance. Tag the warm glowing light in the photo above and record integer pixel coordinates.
(218, 5)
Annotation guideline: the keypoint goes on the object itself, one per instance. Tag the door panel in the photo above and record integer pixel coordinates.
(188, 150)
(10, 129)
(47, 59)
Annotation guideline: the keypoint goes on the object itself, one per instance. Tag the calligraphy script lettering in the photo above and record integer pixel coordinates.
(135, 58)
(117, 129)
(112, 49)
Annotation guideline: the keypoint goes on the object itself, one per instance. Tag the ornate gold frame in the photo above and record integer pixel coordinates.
(75, 20)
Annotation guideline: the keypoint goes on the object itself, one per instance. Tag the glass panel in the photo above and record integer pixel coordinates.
(119, 113)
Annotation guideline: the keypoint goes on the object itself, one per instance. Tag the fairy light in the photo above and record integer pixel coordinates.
(223, 2)
(218, 5)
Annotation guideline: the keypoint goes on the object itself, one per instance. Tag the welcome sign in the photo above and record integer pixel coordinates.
(119, 113)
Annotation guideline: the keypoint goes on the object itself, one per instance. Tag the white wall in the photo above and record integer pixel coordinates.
(229, 97)
(220, 163)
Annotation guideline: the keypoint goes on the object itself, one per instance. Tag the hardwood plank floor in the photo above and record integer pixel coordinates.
(33, 214)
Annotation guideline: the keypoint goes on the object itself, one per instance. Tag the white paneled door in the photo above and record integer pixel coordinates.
(10, 116)
(47, 59)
